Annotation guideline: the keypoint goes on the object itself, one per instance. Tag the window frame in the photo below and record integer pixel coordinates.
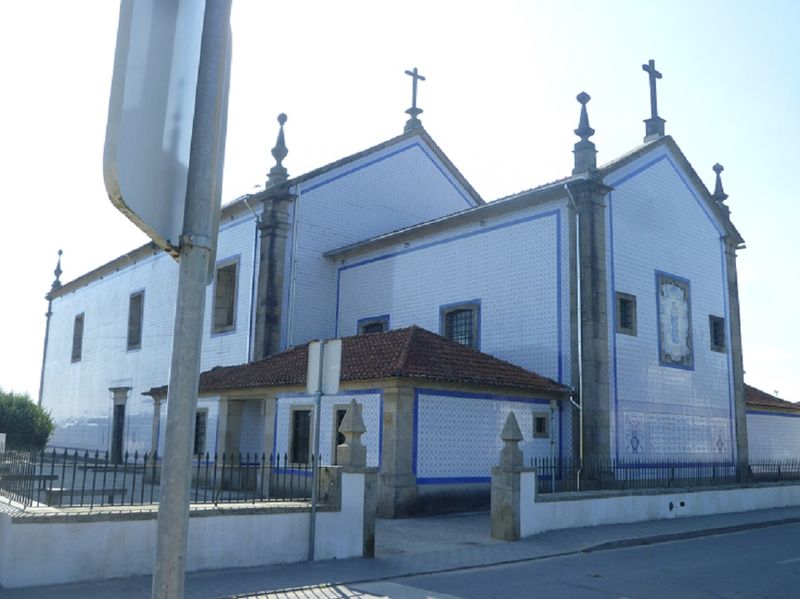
(294, 410)
(362, 323)
(76, 354)
(541, 416)
(204, 413)
(714, 322)
(221, 265)
(138, 345)
(621, 298)
(471, 305)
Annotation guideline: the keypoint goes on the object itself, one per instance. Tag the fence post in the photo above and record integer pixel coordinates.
(506, 482)
(352, 457)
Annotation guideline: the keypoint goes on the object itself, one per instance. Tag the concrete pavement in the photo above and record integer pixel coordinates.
(414, 546)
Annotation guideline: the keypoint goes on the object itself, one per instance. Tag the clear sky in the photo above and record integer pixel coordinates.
(499, 99)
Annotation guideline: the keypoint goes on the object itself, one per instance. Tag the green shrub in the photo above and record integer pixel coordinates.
(27, 426)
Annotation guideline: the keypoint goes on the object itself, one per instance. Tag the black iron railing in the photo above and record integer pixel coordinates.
(73, 478)
(560, 476)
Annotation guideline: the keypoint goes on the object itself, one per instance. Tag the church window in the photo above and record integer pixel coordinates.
(377, 324)
(541, 426)
(626, 314)
(716, 326)
(135, 316)
(461, 323)
(77, 338)
(224, 308)
(300, 436)
(200, 428)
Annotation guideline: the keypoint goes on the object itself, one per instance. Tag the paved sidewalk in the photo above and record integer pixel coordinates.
(408, 547)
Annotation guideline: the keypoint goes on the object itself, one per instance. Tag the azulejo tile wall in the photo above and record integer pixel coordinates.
(457, 435)
(773, 436)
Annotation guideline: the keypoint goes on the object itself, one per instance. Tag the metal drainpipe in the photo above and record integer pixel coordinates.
(580, 332)
(292, 280)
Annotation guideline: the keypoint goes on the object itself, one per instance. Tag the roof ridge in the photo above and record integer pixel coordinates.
(405, 351)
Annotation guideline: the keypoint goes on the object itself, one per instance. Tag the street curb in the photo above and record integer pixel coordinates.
(689, 534)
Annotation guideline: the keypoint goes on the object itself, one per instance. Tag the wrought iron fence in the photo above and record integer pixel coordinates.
(71, 478)
(565, 475)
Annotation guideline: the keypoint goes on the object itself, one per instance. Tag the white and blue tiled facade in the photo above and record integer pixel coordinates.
(457, 439)
(398, 186)
(514, 266)
(773, 435)
(371, 402)
(660, 232)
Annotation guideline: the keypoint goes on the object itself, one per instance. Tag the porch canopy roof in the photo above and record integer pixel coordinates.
(412, 353)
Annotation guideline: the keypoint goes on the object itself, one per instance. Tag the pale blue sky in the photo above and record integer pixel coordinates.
(499, 99)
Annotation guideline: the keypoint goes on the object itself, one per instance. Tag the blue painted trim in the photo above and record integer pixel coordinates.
(243, 219)
(388, 155)
(383, 319)
(443, 308)
(728, 352)
(612, 333)
(661, 273)
(274, 428)
(380, 433)
(766, 413)
(559, 272)
(490, 396)
(310, 398)
(415, 434)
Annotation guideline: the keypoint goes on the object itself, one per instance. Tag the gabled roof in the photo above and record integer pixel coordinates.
(756, 398)
(411, 353)
(239, 205)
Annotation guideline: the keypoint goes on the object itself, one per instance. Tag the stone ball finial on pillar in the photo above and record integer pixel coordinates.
(511, 454)
(352, 452)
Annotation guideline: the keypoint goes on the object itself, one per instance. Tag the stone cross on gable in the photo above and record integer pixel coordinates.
(654, 126)
(650, 69)
(414, 112)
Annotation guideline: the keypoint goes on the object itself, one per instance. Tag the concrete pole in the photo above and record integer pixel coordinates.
(195, 253)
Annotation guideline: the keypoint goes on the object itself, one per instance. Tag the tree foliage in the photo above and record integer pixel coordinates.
(27, 426)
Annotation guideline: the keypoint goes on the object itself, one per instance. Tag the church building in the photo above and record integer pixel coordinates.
(601, 308)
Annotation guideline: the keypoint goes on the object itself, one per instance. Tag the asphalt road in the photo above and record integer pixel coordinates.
(763, 562)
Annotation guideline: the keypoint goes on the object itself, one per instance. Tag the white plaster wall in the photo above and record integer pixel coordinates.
(656, 222)
(516, 265)
(398, 186)
(82, 551)
(539, 516)
(77, 393)
(457, 436)
(371, 411)
(772, 436)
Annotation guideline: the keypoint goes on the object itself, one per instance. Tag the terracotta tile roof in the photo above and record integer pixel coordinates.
(756, 398)
(412, 352)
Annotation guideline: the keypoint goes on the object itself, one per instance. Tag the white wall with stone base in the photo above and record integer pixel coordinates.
(46, 546)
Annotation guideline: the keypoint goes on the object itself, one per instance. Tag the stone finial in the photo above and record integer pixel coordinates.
(57, 272)
(585, 152)
(719, 194)
(352, 452)
(414, 112)
(278, 173)
(654, 126)
(511, 454)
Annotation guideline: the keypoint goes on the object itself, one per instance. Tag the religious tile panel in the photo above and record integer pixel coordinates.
(674, 321)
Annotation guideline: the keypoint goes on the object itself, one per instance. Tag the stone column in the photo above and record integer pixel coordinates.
(506, 478)
(742, 450)
(397, 489)
(352, 458)
(588, 195)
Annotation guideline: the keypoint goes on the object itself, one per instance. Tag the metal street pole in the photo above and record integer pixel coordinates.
(315, 455)
(195, 250)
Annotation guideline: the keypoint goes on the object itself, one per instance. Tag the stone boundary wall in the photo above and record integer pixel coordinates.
(573, 510)
(51, 546)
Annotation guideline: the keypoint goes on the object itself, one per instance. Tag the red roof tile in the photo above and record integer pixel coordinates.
(757, 398)
(411, 352)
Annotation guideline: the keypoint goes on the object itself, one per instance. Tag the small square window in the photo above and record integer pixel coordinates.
(224, 308)
(461, 323)
(377, 324)
(541, 426)
(200, 428)
(135, 316)
(626, 314)
(716, 326)
(77, 338)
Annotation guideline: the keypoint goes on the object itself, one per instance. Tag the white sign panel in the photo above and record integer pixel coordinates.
(149, 130)
(326, 378)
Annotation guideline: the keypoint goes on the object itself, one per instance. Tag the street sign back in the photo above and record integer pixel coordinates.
(149, 131)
